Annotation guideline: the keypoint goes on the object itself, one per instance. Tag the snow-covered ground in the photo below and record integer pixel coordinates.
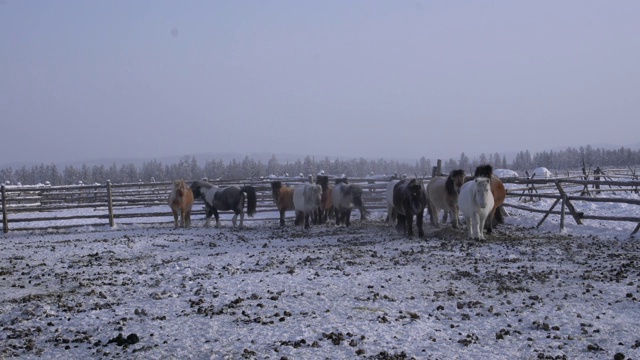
(266, 292)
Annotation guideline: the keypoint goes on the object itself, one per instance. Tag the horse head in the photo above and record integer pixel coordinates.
(482, 191)
(416, 194)
(275, 190)
(484, 171)
(196, 188)
(454, 182)
(323, 181)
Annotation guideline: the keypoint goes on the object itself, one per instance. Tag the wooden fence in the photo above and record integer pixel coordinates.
(567, 191)
(125, 204)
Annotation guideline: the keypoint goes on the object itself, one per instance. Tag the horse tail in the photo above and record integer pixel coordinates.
(251, 199)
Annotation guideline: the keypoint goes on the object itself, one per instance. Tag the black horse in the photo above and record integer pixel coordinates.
(409, 200)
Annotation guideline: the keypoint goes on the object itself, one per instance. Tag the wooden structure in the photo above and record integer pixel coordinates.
(58, 207)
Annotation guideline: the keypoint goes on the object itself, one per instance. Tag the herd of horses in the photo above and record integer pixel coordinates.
(477, 197)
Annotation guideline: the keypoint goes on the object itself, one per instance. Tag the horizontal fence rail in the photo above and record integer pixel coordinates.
(59, 207)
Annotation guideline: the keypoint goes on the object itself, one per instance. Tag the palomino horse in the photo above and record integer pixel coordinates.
(228, 198)
(476, 202)
(306, 200)
(442, 194)
(344, 198)
(499, 194)
(409, 199)
(181, 201)
(283, 197)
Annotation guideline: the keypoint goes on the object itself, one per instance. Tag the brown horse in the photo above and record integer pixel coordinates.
(181, 201)
(283, 197)
(326, 210)
(442, 194)
(326, 204)
(499, 195)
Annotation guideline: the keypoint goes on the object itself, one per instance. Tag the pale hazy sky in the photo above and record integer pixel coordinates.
(98, 79)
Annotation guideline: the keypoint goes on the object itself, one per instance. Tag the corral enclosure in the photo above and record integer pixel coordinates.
(57, 207)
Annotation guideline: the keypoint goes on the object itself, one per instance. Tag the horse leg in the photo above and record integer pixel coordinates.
(469, 226)
(217, 216)
(182, 221)
(241, 219)
(401, 225)
(481, 225)
(433, 215)
(475, 224)
(208, 216)
(347, 217)
(233, 219)
(299, 216)
(175, 218)
(419, 221)
(488, 223)
(282, 217)
(409, 224)
(306, 220)
(188, 218)
(455, 213)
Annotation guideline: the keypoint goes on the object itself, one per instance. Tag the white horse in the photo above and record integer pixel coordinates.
(391, 214)
(306, 200)
(476, 202)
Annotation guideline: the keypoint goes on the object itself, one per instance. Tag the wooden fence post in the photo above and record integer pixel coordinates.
(562, 210)
(5, 220)
(110, 203)
(569, 205)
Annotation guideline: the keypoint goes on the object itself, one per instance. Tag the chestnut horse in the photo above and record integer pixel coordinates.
(409, 200)
(499, 195)
(442, 194)
(283, 197)
(181, 201)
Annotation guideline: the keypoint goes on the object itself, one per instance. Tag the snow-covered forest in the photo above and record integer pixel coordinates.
(189, 168)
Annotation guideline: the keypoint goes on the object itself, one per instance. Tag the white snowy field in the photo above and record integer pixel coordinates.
(265, 292)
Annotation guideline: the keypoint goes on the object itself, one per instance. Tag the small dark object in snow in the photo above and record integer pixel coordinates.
(120, 340)
(619, 356)
(594, 347)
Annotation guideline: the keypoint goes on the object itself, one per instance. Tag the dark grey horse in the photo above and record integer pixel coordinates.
(345, 197)
(409, 200)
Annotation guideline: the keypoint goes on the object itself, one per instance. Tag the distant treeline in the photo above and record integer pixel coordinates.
(188, 168)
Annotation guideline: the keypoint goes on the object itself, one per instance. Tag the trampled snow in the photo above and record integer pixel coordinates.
(265, 292)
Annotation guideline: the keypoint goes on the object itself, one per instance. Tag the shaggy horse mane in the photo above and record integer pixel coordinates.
(484, 171)
(449, 182)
